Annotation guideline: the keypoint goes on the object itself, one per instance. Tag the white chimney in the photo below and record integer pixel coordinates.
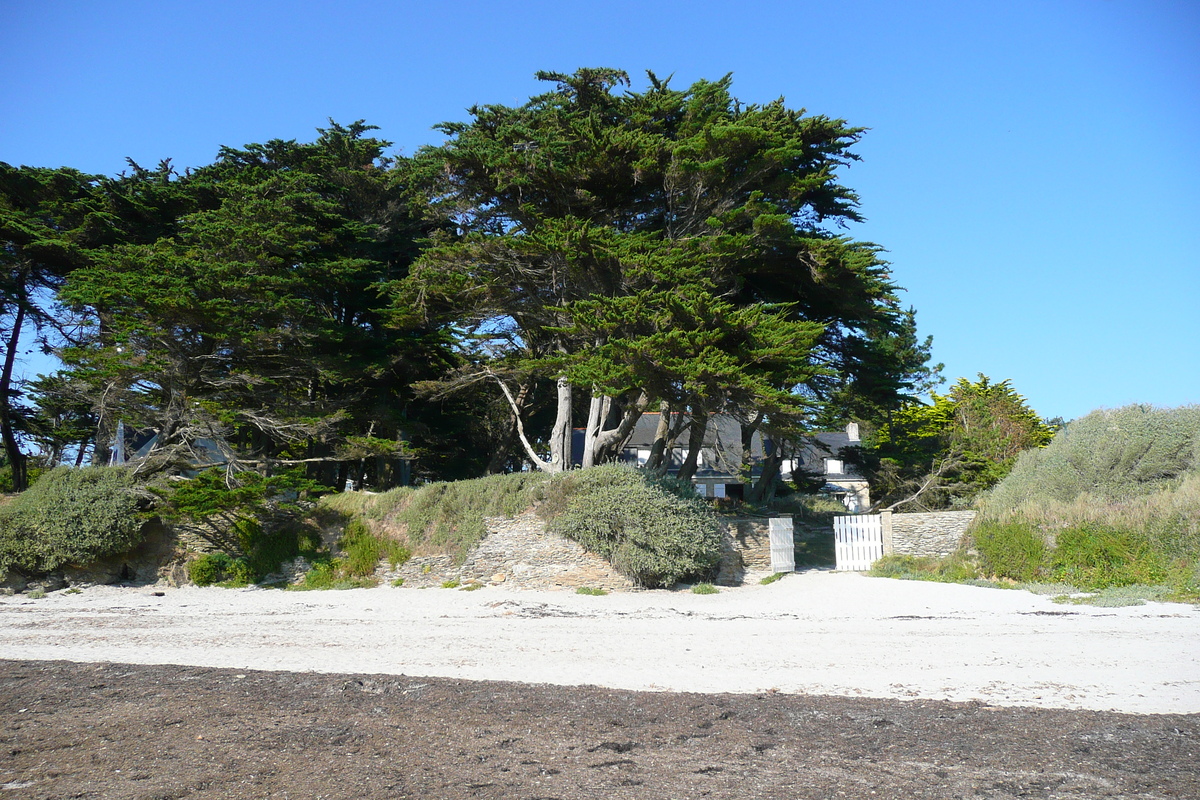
(852, 431)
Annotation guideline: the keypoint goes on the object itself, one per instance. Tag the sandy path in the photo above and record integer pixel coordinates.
(819, 633)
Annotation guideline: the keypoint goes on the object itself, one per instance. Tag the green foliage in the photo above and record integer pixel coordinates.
(330, 573)
(652, 528)
(32, 472)
(245, 516)
(945, 454)
(364, 550)
(450, 584)
(1093, 557)
(669, 245)
(591, 590)
(71, 516)
(208, 569)
(471, 587)
(1012, 550)
(1118, 494)
(952, 569)
(705, 588)
(647, 531)
(443, 518)
(1115, 455)
(263, 283)
(771, 579)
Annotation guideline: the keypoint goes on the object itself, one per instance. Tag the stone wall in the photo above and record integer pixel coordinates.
(745, 548)
(518, 553)
(935, 533)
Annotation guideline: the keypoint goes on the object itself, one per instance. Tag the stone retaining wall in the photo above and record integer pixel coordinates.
(521, 554)
(745, 546)
(935, 533)
(518, 553)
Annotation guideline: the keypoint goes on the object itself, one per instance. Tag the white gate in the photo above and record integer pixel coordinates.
(858, 541)
(783, 545)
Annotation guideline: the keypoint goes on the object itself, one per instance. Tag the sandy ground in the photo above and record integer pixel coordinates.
(811, 633)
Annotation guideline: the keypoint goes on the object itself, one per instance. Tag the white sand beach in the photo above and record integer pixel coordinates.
(817, 633)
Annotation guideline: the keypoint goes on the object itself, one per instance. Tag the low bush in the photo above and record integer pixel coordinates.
(956, 568)
(71, 516)
(771, 578)
(591, 590)
(209, 569)
(1110, 454)
(330, 573)
(364, 550)
(1095, 557)
(705, 588)
(1012, 550)
(655, 532)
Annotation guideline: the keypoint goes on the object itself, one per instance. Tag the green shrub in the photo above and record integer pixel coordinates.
(705, 588)
(220, 568)
(364, 550)
(450, 584)
(1010, 550)
(70, 516)
(33, 472)
(771, 578)
(1094, 557)
(590, 590)
(955, 568)
(330, 573)
(655, 532)
(1110, 454)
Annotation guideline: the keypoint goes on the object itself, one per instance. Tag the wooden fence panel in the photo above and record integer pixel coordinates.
(858, 541)
(783, 545)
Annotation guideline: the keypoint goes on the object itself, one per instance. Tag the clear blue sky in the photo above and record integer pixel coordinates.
(1033, 167)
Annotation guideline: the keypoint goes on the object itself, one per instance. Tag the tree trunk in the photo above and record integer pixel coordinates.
(657, 461)
(763, 490)
(699, 425)
(503, 447)
(12, 450)
(597, 414)
(82, 451)
(608, 442)
(560, 436)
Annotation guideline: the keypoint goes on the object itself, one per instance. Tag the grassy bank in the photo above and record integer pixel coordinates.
(653, 530)
(1109, 512)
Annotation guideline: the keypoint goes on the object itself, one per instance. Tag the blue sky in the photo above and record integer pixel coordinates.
(1033, 168)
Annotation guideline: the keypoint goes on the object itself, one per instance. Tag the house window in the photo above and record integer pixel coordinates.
(833, 466)
(642, 457)
(701, 490)
(718, 490)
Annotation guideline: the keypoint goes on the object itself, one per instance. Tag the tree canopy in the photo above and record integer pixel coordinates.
(667, 248)
(574, 261)
(945, 453)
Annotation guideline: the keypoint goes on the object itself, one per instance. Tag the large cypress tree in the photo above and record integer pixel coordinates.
(666, 248)
(256, 322)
